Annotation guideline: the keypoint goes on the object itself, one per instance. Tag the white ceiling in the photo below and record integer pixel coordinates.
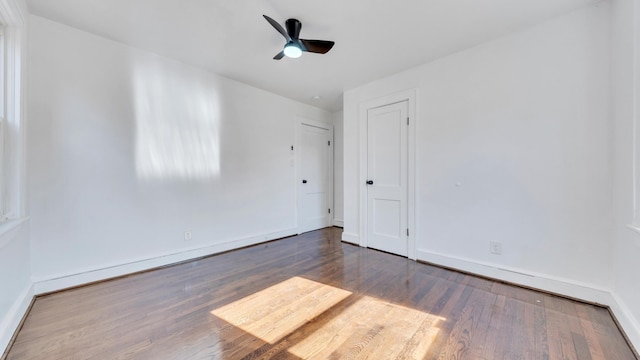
(374, 38)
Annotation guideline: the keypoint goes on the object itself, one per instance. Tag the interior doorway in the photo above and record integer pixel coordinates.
(314, 175)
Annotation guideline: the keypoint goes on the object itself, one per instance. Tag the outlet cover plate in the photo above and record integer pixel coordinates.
(495, 247)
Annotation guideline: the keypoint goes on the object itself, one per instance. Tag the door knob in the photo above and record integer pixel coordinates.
(304, 181)
(369, 182)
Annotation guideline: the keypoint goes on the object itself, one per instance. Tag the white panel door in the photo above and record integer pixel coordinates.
(387, 163)
(314, 178)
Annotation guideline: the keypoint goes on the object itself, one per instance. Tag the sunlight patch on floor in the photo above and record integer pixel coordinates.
(357, 328)
(279, 310)
(372, 328)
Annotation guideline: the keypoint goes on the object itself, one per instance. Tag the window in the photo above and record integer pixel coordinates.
(11, 124)
(4, 208)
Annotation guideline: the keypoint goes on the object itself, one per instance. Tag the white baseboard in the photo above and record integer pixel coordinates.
(574, 289)
(625, 318)
(351, 238)
(11, 321)
(338, 222)
(85, 276)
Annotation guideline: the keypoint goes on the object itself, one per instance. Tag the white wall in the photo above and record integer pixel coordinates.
(522, 123)
(338, 169)
(128, 150)
(625, 116)
(15, 278)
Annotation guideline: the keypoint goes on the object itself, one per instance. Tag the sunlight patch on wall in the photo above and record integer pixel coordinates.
(177, 121)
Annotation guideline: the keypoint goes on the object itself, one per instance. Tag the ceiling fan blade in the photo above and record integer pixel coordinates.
(279, 55)
(317, 46)
(293, 28)
(278, 27)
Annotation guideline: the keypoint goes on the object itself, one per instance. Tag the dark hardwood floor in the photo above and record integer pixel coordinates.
(311, 296)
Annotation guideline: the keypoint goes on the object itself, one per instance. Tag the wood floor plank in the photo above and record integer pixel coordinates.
(312, 297)
(590, 334)
(496, 343)
(540, 333)
(481, 340)
(467, 331)
(451, 303)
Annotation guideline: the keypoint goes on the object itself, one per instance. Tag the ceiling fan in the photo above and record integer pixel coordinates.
(295, 46)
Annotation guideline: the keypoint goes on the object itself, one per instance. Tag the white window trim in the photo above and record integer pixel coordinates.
(634, 221)
(12, 17)
(4, 206)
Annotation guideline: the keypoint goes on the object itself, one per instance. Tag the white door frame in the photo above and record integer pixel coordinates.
(301, 121)
(410, 96)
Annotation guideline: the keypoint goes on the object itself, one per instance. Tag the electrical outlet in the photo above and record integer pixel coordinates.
(495, 247)
(187, 235)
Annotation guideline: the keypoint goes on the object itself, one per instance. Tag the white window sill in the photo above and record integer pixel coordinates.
(8, 225)
(635, 229)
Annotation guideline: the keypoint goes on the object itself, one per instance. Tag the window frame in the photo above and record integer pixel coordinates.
(12, 128)
(4, 205)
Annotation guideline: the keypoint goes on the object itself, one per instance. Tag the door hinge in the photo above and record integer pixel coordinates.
(329, 211)
(407, 231)
(329, 143)
(407, 120)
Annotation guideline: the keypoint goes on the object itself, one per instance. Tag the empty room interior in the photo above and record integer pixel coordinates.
(283, 179)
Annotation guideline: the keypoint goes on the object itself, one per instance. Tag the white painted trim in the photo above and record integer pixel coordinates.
(338, 222)
(411, 97)
(574, 289)
(84, 276)
(9, 225)
(351, 238)
(362, 171)
(11, 13)
(13, 18)
(636, 230)
(635, 112)
(411, 175)
(625, 318)
(11, 321)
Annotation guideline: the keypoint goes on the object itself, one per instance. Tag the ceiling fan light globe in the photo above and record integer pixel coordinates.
(292, 51)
